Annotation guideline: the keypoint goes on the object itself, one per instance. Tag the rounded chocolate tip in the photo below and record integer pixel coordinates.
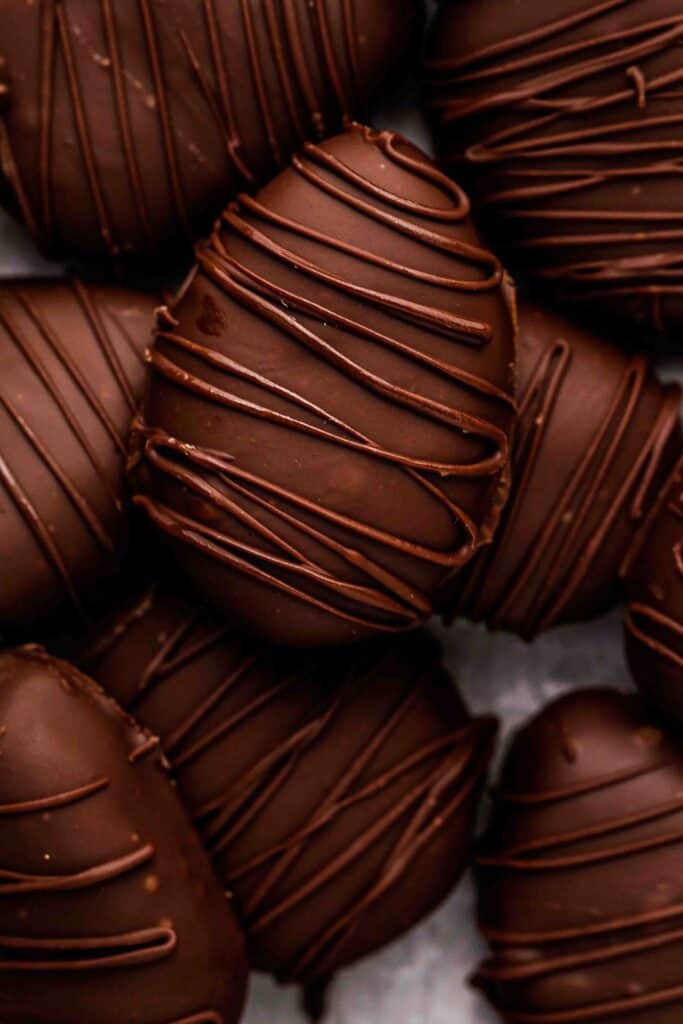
(109, 910)
(579, 875)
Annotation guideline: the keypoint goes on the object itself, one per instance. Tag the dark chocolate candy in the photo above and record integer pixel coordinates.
(72, 372)
(597, 436)
(109, 911)
(325, 434)
(581, 873)
(336, 792)
(654, 617)
(127, 124)
(564, 118)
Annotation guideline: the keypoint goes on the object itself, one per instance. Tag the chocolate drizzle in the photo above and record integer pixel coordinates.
(70, 909)
(168, 111)
(72, 372)
(575, 508)
(592, 851)
(422, 337)
(654, 616)
(322, 786)
(568, 119)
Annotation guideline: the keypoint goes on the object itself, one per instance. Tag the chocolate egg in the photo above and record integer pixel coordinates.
(72, 374)
(336, 792)
(109, 911)
(325, 435)
(580, 875)
(125, 125)
(564, 119)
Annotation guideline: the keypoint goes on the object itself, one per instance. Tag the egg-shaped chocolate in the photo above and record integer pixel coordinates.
(581, 872)
(325, 435)
(72, 374)
(654, 615)
(597, 436)
(125, 125)
(564, 119)
(335, 791)
(109, 910)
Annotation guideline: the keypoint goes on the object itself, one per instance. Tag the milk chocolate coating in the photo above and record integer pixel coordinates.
(596, 438)
(109, 911)
(654, 617)
(336, 792)
(126, 125)
(72, 374)
(325, 433)
(581, 873)
(564, 119)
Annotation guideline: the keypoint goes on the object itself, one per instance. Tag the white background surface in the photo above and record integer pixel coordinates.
(421, 980)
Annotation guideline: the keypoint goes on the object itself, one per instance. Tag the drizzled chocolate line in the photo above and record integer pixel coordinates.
(560, 555)
(70, 953)
(383, 601)
(16, 306)
(453, 763)
(281, 42)
(537, 158)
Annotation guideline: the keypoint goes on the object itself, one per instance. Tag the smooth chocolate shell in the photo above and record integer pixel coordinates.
(324, 439)
(154, 113)
(654, 616)
(581, 873)
(564, 118)
(335, 791)
(109, 911)
(597, 436)
(72, 375)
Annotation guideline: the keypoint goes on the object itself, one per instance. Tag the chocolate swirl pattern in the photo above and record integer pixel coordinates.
(654, 617)
(565, 119)
(580, 874)
(325, 437)
(97, 919)
(596, 439)
(154, 113)
(335, 793)
(72, 373)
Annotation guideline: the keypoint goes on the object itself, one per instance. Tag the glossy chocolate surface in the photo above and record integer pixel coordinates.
(580, 876)
(154, 112)
(335, 791)
(72, 373)
(564, 119)
(109, 911)
(597, 436)
(324, 439)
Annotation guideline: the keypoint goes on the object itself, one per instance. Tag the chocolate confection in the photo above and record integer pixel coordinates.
(564, 118)
(153, 114)
(72, 374)
(109, 911)
(580, 876)
(596, 438)
(654, 618)
(335, 792)
(325, 434)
